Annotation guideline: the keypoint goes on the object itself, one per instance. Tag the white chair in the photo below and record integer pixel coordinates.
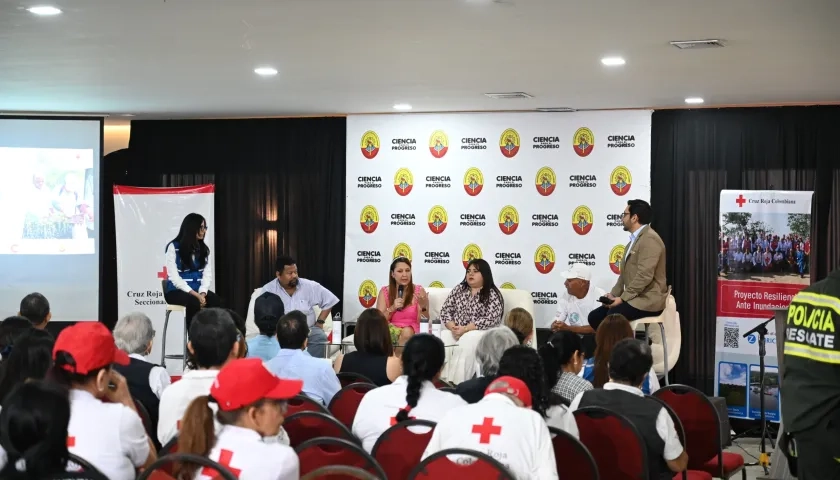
(666, 339)
(173, 356)
(252, 331)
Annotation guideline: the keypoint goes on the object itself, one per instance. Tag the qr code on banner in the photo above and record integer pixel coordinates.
(730, 337)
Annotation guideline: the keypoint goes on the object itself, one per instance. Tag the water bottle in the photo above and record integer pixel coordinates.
(336, 329)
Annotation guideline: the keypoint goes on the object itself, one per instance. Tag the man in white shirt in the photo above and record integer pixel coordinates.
(214, 340)
(574, 306)
(629, 364)
(503, 426)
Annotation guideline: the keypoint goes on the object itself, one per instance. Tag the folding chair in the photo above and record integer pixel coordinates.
(155, 471)
(303, 426)
(345, 403)
(399, 449)
(438, 465)
(346, 378)
(616, 445)
(339, 471)
(85, 469)
(302, 403)
(574, 462)
(678, 426)
(317, 452)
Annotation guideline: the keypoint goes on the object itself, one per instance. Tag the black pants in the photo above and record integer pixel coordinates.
(818, 450)
(629, 311)
(180, 297)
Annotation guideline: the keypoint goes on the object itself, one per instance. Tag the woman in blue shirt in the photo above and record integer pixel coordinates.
(613, 329)
(188, 268)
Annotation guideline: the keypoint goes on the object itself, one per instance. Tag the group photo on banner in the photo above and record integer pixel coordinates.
(532, 194)
(151, 226)
(763, 262)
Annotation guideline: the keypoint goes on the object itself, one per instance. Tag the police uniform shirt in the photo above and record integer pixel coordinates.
(108, 435)
(517, 437)
(379, 408)
(574, 311)
(248, 457)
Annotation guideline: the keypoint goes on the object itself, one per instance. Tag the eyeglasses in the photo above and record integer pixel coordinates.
(624, 214)
(203, 228)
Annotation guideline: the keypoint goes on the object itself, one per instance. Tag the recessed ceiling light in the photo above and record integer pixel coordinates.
(44, 10)
(265, 71)
(613, 61)
(402, 106)
(694, 100)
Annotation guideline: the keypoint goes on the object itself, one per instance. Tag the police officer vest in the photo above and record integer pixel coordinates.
(811, 383)
(192, 274)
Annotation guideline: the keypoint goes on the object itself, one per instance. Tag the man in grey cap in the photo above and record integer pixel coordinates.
(268, 308)
(574, 305)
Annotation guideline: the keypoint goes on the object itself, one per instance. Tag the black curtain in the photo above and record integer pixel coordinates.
(697, 153)
(280, 188)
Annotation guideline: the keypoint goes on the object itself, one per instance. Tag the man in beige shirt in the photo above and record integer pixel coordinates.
(641, 290)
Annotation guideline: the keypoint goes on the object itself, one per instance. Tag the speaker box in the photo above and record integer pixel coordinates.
(723, 413)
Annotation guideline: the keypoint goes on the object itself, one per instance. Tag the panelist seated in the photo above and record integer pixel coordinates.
(473, 306)
(402, 302)
(575, 304)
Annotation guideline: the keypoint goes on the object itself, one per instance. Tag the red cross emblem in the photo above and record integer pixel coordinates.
(163, 275)
(740, 201)
(486, 430)
(71, 442)
(225, 458)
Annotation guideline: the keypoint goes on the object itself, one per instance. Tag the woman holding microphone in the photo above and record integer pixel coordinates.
(188, 268)
(402, 302)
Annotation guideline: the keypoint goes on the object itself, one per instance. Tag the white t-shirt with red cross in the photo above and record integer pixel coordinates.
(379, 408)
(108, 435)
(515, 436)
(248, 457)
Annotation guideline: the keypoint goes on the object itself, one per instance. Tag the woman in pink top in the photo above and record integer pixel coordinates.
(402, 302)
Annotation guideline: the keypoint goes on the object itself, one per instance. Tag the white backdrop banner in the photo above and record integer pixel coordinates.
(147, 219)
(529, 192)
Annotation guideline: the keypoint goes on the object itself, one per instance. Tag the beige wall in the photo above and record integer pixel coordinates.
(116, 138)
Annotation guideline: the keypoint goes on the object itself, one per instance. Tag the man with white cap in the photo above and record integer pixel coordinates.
(574, 305)
(503, 426)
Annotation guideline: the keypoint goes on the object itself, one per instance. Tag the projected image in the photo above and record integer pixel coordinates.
(47, 201)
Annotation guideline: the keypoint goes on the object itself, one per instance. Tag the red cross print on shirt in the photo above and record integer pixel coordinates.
(740, 201)
(225, 458)
(163, 274)
(486, 429)
(71, 442)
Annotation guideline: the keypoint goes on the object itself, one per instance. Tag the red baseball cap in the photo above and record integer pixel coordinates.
(91, 345)
(245, 381)
(511, 386)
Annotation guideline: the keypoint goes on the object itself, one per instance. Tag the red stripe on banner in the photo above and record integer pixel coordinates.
(125, 190)
(753, 299)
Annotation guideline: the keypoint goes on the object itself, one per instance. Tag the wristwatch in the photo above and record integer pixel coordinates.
(319, 321)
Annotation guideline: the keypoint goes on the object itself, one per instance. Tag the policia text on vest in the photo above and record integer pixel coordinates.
(811, 383)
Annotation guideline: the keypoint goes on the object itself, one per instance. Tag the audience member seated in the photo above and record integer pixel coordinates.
(629, 364)
(214, 341)
(240, 327)
(293, 361)
(402, 302)
(268, 308)
(525, 364)
(473, 306)
(412, 395)
(134, 335)
(489, 351)
(10, 329)
(562, 358)
(31, 359)
(522, 324)
(251, 404)
(34, 425)
(575, 304)
(109, 435)
(502, 425)
(612, 330)
(374, 356)
(36, 308)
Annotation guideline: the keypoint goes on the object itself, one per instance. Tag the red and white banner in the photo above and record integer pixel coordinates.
(764, 249)
(147, 219)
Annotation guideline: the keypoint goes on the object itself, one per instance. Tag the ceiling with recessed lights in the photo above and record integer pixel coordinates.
(197, 58)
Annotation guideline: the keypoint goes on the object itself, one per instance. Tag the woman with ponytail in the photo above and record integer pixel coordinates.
(249, 404)
(562, 358)
(411, 396)
(33, 432)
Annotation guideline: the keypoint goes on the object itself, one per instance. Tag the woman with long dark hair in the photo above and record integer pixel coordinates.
(374, 356)
(612, 330)
(402, 302)
(189, 269)
(562, 358)
(33, 432)
(250, 406)
(413, 395)
(473, 306)
(31, 359)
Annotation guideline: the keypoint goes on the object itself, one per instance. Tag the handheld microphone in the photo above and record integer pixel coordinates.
(400, 292)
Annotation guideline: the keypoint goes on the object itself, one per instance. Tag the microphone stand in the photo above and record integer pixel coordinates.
(766, 431)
